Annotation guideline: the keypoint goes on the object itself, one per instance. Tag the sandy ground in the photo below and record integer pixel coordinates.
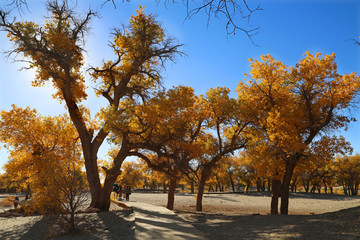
(225, 216)
(245, 216)
(252, 203)
(115, 224)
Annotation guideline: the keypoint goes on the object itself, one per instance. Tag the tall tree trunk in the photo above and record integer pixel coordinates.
(284, 207)
(275, 196)
(192, 187)
(201, 187)
(171, 193)
(89, 150)
(92, 175)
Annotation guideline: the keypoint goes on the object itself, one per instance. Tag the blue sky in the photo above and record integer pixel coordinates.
(287, 30)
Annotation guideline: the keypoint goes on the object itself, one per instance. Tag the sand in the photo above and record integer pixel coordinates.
(246, 216)
(253, 203)
(225, 216)
(115, 224)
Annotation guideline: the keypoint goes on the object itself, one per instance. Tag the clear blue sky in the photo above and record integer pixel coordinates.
(287, 30)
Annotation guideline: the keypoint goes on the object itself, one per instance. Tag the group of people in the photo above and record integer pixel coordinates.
(123, 192)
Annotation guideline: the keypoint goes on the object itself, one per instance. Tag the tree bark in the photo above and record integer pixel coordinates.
(275, 196)
(284, 207)
(89, 151)
(171, 193)
(201, 188)
(192, 187)
(104, 203)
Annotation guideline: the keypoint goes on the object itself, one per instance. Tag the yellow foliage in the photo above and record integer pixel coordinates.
(142, 46)
(44, 154)
(290, 107)
(53, 52)
(133, 174)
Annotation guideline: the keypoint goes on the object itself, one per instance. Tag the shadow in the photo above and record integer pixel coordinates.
(119, 224)
(35, 228)
(222, 197)
(250, 194)
(257, 194)
(342, 224)
(156, 225)
(152, 214)
(335, 197)
(40, 229)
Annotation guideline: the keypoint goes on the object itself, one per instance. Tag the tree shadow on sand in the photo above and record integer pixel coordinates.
(25, 227)
(101, 225)
(118, 224)
(335, 197)
(322, 196)
(151, 224)
(344, 224)
(220, 197)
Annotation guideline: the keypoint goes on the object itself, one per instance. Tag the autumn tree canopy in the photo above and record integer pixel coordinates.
(295, 110)
(165, 129)
(45, 155)
(224, 129)
(55, 51)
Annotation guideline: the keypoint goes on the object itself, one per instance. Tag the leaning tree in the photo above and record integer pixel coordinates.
(55, 50)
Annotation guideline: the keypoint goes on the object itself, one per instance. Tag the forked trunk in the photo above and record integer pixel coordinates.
(171, 193)
(104, 203)
(89, 151)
